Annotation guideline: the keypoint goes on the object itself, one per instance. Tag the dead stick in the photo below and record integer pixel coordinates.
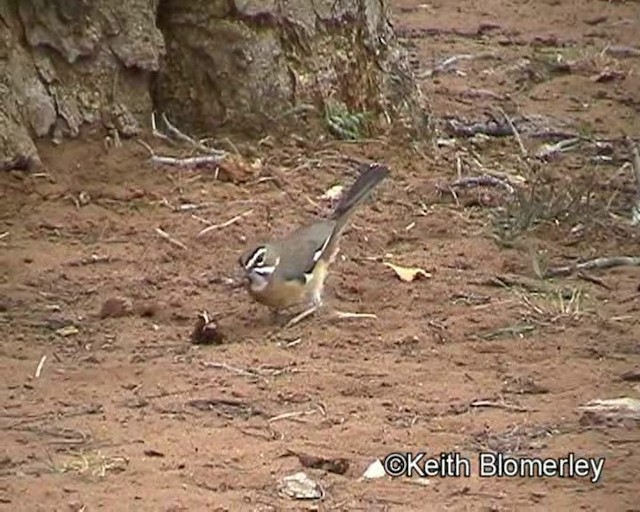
(40, 366)
(499, 405)
(171, 240)
(598, 263)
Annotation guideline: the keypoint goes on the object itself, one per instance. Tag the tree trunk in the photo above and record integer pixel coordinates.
(244, 66)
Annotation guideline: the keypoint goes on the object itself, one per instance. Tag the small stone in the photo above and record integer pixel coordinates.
(116, 307)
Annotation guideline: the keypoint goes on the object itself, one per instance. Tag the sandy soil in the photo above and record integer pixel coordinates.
(127, 414)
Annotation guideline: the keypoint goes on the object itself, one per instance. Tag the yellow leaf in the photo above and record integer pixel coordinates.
(408, 274)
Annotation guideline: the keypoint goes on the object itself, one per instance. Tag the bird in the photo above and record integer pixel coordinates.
(291, 270)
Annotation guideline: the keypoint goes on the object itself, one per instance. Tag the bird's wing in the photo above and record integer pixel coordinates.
(304, 247)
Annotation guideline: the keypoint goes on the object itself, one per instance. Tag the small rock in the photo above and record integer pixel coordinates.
(147, 309)
(631, 375)
(116, 307)
(299, 486)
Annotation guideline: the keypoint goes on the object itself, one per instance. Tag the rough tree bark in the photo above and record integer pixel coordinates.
(236, 65)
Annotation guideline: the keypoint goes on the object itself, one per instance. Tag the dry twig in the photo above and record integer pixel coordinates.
(549, 150)
(225, 224)
(523, 150)
(40, 366)
(498, 405)
(212, 156)
(170, 239)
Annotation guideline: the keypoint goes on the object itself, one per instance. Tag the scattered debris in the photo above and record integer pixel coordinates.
(524, 386)
(343, 315)
(300, 487)
(635, 164)
(407, 274)
(614, 408)
(547, 151)
(153, 453)
(169, 239)
(225, 224)
(226, 407)
(295, 415)
(68, 330)
(338, 466)
(498, 405)
(514, 131)
(449, 62)
(93, 463)
(598, 263)
(374, 471)
(206, 331)
(116, 307)
(622, 51)
(485, 180)
(512, 330)
(91, 260)
(212, 156)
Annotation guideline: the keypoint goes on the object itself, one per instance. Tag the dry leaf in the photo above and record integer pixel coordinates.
(334, 193)
(408, 274)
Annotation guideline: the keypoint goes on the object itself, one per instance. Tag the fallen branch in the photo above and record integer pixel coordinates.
(212, 156)
(225, 224)
(598, 263)
(171, 240)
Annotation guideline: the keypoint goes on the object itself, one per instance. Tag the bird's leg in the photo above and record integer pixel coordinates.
(298, 318)
(316, 303)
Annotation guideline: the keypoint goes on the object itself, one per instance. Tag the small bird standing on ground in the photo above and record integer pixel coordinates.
(288, 271)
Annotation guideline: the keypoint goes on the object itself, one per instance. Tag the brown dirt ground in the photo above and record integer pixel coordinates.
(127, 415)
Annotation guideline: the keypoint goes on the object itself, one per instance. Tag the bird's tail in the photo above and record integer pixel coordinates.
(352, 198)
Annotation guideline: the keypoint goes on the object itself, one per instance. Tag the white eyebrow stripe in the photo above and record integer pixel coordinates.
(264, 270)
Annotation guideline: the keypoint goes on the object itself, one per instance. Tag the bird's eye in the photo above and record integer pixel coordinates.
(256, 259)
